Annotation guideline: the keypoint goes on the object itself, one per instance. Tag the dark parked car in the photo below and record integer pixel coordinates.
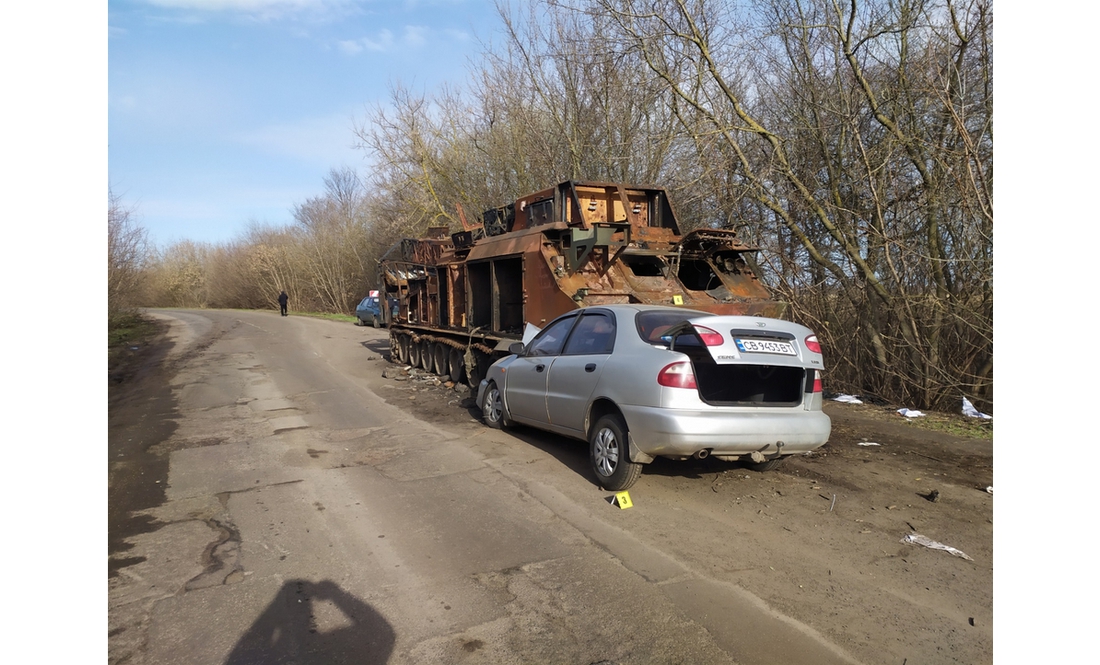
(643, 381)
(369, 311)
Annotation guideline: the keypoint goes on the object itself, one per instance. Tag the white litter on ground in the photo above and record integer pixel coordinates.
(848, 399)
(969, 410)
(868, 443)
(910, 413)
(917, 539)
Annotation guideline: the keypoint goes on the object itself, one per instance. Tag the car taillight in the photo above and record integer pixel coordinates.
(817, 381)
(812, 344)
(709, 337)
(677, 375)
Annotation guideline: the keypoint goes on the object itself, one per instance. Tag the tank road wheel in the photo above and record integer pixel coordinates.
(426, 361)
(395, 349)
(610, 459)
(403, 348)
(439, 359)
(479, 370)
(414, 353)
(456, 369)
(492, 407)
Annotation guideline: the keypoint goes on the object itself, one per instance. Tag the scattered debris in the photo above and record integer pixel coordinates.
(969, 410)
(917, 539)
(910, 413)
(989, 489)
(933, 496)
(868, 443)
(847, 399)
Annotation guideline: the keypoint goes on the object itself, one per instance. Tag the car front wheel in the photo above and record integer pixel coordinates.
(492, 407)
(610, 459)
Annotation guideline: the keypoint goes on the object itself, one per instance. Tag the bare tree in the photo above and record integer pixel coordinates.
(127, 254)
(855, 140)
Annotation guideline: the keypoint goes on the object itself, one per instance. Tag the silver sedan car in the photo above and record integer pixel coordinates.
(642, 381)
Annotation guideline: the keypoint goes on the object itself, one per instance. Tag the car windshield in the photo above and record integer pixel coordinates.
(652, 324)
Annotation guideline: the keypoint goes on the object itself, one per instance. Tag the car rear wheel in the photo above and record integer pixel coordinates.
(376, 323)
(492, 407)
(610, 459)
(767, 465)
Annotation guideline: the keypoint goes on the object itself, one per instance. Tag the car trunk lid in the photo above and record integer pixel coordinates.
(749, 361)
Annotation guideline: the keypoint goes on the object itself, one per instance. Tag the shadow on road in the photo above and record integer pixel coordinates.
(379, 346)
(293, 629)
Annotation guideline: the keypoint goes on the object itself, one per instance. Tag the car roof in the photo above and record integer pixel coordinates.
(637, 307)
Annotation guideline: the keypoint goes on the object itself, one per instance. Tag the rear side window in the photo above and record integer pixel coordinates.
(595, 334)
(652, 324)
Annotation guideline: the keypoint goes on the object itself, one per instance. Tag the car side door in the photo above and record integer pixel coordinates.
(525, 387)
(576, 371)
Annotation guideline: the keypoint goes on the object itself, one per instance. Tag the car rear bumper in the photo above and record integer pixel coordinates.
(682, 432)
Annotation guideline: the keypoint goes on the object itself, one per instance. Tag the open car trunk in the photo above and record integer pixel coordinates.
(750, 367)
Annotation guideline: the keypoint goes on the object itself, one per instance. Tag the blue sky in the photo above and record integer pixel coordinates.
(222, 112)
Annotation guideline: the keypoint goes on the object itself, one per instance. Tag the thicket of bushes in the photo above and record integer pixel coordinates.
(852, 141)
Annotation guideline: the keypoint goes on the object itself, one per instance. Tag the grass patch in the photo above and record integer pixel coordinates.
(344, 318)
(956, 425)
(129, 329)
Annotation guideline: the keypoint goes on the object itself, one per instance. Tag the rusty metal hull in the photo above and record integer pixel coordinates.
(574, 245)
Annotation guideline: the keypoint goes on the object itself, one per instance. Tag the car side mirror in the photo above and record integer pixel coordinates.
(515, 348)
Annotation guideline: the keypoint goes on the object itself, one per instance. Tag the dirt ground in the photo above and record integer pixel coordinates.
(882, 599)
(821, 537)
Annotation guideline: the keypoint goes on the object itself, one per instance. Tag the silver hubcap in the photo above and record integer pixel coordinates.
(606, 452)
(492, 405)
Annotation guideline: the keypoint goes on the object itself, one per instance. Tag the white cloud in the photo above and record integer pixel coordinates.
(413, 37)
(416, 35)
(323, 141)
(379, 43)
(349, 47)
(260, 9)
(246, 5)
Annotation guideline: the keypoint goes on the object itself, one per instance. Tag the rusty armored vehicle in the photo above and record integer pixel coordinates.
(465, 297)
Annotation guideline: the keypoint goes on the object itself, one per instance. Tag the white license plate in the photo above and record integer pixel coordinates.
(765, 346)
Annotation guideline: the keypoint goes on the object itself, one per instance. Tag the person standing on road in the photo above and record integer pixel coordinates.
(282, 303)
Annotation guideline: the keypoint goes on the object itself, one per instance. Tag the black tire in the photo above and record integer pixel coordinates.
(492, 407)
(439, 359)
(456, 368)
(426, 362)
(376, 323)
(768, 465)
(480, 369)
(607, 449)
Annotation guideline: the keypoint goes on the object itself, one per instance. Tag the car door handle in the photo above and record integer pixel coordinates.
(590, 367)
(539, 368)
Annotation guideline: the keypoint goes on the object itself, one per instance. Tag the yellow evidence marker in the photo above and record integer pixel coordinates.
(623, 499)
(677, 300)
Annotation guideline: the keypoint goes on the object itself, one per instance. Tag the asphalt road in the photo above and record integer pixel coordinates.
(307, 516)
